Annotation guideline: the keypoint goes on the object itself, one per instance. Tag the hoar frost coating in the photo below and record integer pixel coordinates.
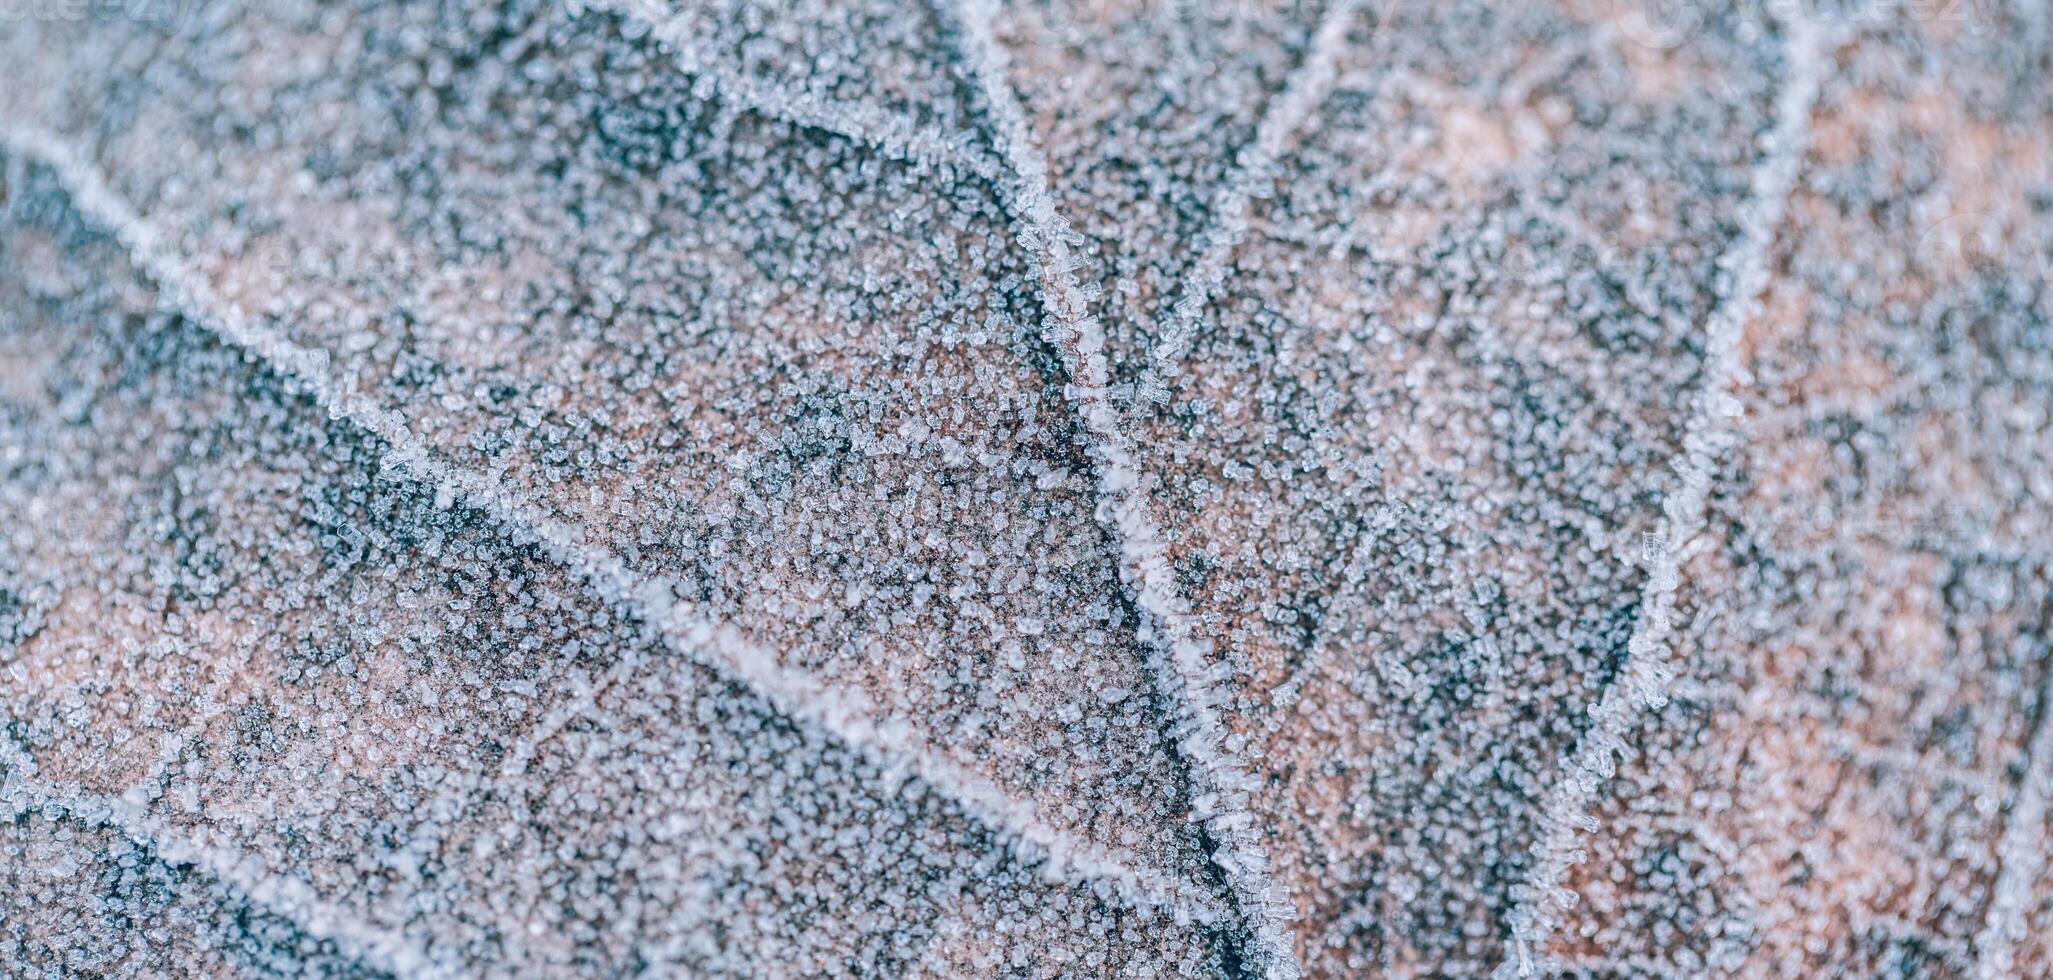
(1023, 489)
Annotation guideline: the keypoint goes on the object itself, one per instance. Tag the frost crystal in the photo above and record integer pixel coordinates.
(1025, 488)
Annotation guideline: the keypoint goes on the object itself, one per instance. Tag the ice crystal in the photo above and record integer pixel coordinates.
(1025, 488)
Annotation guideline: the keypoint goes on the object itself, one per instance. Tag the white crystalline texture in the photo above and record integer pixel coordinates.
(1042, 488)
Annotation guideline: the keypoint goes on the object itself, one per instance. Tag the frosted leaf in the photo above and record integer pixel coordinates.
(737, 461)
(876, 59)
(1147, 108)
(1899, 711)
(1435, 627)
(71, 876)
(1029, 488)
(410, 682)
